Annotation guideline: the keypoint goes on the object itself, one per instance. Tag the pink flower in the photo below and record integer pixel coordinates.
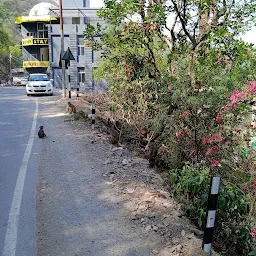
(252, 88)
(180, 134)
(218, 118)
(215, 148)
(236, 96)
(217, 137)
(205, 141)
(215, 162)
(253, 232)
(226, 109)
(209, 151)
(184, 114)
(254, 183)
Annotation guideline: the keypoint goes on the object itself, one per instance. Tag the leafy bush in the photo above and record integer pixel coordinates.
(232, 229)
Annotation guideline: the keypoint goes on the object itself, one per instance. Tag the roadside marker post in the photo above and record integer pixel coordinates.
(69, 84)
(211, 214)
(77, 92)
(93, 115)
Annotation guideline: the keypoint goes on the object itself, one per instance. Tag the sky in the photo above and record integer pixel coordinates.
(249, 36)
(96, 3)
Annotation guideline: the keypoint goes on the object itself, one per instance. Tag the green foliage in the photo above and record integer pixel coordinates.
(191, 186)
(253, 253)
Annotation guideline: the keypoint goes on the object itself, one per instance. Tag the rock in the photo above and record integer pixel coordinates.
(148, 228)
(142, 207)
(140, 161)
(175, 240)
(117, 151)
(125, 162)
(183, 233)
(107, 161)
(197, 232)
(155, 252)
(190, 236)
(130, 190)
(176, 249)
(137, 215)
(154, 227)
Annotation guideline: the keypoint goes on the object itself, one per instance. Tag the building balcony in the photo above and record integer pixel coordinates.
(36, 64)
(34, 41)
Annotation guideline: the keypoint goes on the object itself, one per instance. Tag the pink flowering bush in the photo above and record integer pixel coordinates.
(218, 138)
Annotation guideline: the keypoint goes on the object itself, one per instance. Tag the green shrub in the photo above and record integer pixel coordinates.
(232, 227)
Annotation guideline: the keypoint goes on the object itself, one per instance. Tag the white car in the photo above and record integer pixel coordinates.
(39, 84)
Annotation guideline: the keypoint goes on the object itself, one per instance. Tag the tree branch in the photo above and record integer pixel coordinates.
(183, 24)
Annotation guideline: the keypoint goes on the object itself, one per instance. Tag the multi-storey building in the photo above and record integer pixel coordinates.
(41, 41)
(34, 34)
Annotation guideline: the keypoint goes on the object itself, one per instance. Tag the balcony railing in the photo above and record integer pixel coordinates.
(36, 64)
(34, 41)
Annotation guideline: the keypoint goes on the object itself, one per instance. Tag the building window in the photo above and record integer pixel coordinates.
(31, 34)
(33, 57)
(81, 75)
(75, 20)
(85, 3)
(80, 46)
(80, 50)
(42, 30)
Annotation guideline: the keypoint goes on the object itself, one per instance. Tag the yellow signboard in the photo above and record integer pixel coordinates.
(36, 64)
(45, 18)
(34, 41)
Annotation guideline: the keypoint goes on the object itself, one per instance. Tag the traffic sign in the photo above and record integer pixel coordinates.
(68, 55)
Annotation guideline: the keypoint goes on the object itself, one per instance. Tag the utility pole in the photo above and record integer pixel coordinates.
(10, 75)
(62, 50)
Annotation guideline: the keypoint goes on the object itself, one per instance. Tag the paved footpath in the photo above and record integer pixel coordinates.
(74, 216)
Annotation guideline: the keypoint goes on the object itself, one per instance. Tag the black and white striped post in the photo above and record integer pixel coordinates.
(77, 92)
(211, 213)
(69, 83)
(93, 115)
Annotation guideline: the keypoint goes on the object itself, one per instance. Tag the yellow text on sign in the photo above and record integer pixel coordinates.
(36, 64)
(34, 41)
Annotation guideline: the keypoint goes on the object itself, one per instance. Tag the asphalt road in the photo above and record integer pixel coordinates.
(19, 159)
(53, 197)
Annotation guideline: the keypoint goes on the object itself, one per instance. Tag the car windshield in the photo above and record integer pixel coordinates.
(38, 78)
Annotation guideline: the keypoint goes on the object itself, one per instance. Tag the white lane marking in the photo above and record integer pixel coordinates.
(13, 221)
